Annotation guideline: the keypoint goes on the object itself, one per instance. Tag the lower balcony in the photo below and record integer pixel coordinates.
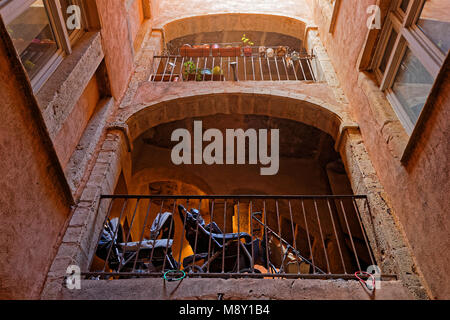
(266, 237)
(235, 247)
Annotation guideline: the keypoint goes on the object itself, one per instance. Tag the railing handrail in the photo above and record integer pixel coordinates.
(211, 197)
(256, 246)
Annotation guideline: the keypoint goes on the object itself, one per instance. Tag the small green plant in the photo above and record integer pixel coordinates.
(189, 68)
(246, 41)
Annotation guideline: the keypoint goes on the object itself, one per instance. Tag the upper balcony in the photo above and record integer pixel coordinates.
(233, 62)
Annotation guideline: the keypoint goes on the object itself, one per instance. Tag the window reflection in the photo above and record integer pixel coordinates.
(412, 86)
(33, 37)
(434, 21)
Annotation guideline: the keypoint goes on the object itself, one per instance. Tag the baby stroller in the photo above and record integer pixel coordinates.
(151, 254)
(214, 250)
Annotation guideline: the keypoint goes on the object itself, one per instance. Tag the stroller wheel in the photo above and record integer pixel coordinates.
(193, 269)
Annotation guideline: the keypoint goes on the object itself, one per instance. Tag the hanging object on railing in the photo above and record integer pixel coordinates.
(262, 51)
(270, 53)
(281, 51)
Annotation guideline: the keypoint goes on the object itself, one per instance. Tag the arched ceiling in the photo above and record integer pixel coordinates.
(234, 22)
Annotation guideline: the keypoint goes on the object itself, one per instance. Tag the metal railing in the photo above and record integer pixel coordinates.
(317, 237)
(172, 68)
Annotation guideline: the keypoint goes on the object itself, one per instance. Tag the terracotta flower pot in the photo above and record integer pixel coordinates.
(248, 51)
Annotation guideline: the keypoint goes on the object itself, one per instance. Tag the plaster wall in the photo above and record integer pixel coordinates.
(117, 44)
(34, 203)
(421, 207)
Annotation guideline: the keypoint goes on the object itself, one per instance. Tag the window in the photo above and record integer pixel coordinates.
(414, 42)
(40, 34)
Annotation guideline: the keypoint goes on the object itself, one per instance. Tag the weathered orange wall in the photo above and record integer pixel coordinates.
(136, 17)
(419, 190)
(33, 205)
(116, 44)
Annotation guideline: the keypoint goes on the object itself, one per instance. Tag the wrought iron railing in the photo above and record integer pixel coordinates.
(318, 237)
(176, 68)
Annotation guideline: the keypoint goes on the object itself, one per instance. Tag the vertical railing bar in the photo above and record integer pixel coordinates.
(237, 67)
(294, 238)
(204, 67)
(173, 69)
(142, 234)
(270, 71)
(337, 238)
(182, 235)
(350, 235)
(285, 68)
(252, 234)
(266, 236)
(321, 236)
(165, 69)
(210, 232)
(196, 233)
(228, 70)
(155, 236)
(212, 68)
(245, 69)
(239, 239)
(310, 69)
(168, 240)
(260, 68)
(181, 69)
(279, 232)
(301, 66)
(293, 68)
(115, 233)
(358, 214)
(196, 68)
(309, 237)
(278, 71)
(128, 235)
(253, 69)
(224, 232)
(221, 68)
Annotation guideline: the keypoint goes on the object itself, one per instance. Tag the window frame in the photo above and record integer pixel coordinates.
(9, 10)
(409, 36)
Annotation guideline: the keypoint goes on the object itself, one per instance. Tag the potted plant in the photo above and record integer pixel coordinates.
(189, 71)
(247, 49)
(202, 50)
(217, 74)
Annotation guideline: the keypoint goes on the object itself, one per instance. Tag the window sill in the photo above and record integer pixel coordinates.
(60, 93)
(385, 119)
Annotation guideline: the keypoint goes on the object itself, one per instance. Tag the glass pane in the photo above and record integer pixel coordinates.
(404, 5)
(412, 86)
(33, 37)
(70, 18)
(388, 51)
(434, 21)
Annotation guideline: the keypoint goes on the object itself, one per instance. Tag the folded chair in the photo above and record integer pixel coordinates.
(214, 250)
(152, 254)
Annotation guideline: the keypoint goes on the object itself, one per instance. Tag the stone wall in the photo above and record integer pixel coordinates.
(417, 189)
(34, 196)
